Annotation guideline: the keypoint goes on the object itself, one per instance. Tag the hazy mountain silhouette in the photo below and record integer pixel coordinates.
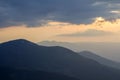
(109, 50)
(7, 73)
(27, 55)
(100, 59)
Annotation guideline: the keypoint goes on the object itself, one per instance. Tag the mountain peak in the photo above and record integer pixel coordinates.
(21, 40)
(18, 41)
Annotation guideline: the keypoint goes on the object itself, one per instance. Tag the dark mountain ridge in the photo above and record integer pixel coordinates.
(24, 54)
(7, 73)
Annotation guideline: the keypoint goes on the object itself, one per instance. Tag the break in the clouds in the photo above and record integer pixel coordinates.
(38, 12)
(88, 33)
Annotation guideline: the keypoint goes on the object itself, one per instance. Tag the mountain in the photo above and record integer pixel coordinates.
(7, 73)
(109, 50)
(100, 59)
(23, 54)
(71, 46)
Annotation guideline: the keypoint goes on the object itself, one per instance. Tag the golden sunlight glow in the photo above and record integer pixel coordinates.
(115, 11)
(51, 31)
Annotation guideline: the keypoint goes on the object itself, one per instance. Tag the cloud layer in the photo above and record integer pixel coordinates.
(38, 12)
(88, 33)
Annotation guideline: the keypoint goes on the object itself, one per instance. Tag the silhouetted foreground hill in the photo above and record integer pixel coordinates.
(21, 74)
(27, 55)
(100, 59)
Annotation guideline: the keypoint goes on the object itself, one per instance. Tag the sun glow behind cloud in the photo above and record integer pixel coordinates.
(115, 12)
(52, 29)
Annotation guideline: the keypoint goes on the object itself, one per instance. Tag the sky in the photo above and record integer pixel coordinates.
(60, 20)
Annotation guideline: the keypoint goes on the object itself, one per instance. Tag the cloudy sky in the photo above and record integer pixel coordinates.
(60, 20)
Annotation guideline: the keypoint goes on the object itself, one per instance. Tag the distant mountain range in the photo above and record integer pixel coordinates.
(100, 59)
(110, 50)
(84, 47)
(23, 54)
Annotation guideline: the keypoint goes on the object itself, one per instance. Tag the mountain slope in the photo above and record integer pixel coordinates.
(21, 74)
(107, 49)
(24, 54)
(100, 59)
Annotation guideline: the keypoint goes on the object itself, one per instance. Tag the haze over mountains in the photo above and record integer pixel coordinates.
(100, 59)
(22, 54)
(107, 50)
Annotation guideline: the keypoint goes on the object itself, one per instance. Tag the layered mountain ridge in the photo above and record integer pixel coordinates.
(25, 54)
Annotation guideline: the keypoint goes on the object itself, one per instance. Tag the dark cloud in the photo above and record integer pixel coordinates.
(38, 12)
(88, 33)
